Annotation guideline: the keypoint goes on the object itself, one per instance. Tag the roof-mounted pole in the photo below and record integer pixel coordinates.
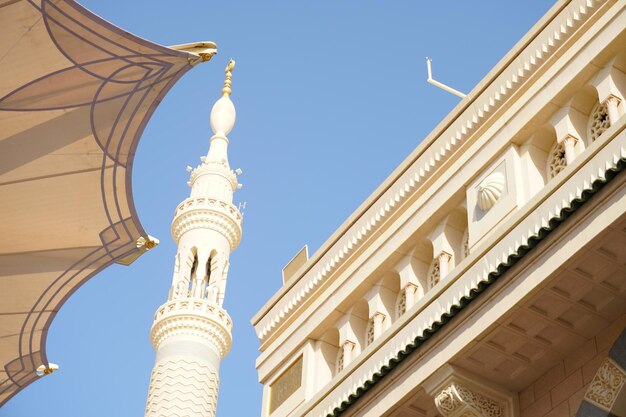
(438, 84)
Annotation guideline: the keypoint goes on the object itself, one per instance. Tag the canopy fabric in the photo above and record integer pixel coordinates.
(75, 95)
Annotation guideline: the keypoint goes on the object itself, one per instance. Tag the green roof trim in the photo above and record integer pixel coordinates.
(554, 222)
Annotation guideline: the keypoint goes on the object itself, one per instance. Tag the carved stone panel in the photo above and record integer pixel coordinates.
(606, 385)
(459, 401)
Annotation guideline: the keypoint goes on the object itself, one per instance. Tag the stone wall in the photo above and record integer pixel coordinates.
(559, 392)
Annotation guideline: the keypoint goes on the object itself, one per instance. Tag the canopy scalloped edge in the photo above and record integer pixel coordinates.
(101, 84)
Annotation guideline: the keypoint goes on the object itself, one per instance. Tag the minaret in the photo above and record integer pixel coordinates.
(192, 332)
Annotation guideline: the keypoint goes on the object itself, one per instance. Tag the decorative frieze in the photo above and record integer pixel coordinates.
(208, 214)
(457, 393)
(606, 385)
(528, 226)
(458, 401)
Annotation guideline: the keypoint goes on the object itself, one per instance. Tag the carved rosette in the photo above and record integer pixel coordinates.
(459, 401)
(490, 190)
(606, 385)
(447, 401)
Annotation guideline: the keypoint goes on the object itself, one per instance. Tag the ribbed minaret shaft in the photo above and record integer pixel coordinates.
(192, 332)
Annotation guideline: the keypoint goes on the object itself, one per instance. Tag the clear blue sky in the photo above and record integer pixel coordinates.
(331, 96)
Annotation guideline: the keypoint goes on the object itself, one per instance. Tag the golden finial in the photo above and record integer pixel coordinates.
(229, 76)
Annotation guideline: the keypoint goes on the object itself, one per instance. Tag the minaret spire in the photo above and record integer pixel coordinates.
(192, 332)
(229, 76)
(223, 117)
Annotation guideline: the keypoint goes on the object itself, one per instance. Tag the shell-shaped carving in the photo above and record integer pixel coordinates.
(490, 190)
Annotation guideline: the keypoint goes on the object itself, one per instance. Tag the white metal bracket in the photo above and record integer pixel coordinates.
(438, 84)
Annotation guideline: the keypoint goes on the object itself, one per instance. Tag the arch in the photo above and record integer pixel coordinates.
(358, 318)
(327, 350)
(369, 332)
(194, 267)
(606, 395)
(534, 154)
(545, 139)
(466, 248)
(423, 255)
(455, 229)
(212, 282)
(585, 101)
(175, 291)
(390, 282)
(186, 272)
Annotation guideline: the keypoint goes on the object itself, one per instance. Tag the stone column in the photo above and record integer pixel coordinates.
(378, 324)
(444, 259)
(409, 292)
(569, 144)
(611, 103)
(347, 348)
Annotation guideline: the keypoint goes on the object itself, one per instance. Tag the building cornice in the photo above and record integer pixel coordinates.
(574, 190)
(488, 100)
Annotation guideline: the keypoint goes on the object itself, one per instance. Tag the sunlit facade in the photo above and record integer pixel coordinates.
(486, 276)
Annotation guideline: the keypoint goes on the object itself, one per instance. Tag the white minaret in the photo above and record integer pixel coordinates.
(192, 332)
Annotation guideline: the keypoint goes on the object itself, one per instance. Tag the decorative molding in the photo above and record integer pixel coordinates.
(194, 306)
(478, 110)
(458, 400)
(457, 393)
(194, 318)
(591, 177)
(606, 385)
(213, 168)
(207, 213)
(204, 203)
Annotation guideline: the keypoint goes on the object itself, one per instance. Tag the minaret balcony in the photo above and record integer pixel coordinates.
(210, 203)
(208, 213)
(195, 318)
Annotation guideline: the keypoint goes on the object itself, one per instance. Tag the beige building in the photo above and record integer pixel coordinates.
(487, 275)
